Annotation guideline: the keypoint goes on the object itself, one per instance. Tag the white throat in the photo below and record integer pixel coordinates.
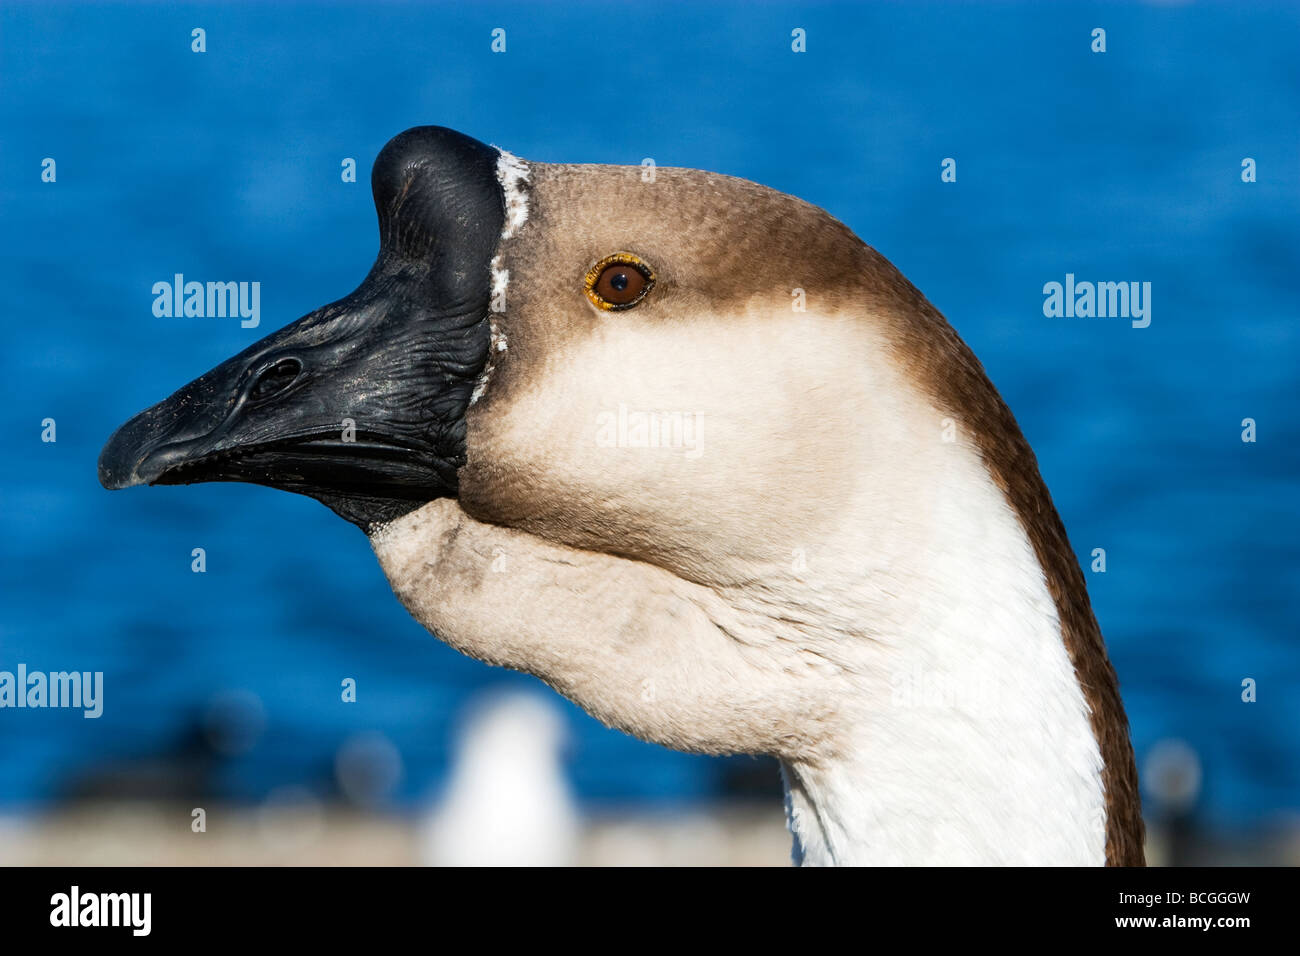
(968, 740)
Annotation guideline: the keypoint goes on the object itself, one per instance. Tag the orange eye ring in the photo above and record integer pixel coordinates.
(618, 282)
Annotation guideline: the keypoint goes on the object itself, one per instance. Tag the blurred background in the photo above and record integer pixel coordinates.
(222, 688)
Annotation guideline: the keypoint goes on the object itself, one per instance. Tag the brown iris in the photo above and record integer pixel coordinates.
(619, 281)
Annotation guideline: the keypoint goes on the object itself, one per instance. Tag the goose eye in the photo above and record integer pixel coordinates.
(619, 281)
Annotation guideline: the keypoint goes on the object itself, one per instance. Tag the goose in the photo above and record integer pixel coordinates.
(691, 452)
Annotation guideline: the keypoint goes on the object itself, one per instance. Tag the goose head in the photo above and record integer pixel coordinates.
(694, 454)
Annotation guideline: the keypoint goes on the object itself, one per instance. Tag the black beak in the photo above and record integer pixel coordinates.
(360, 404)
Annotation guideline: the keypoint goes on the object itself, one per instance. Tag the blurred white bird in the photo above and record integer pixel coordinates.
(507, 801)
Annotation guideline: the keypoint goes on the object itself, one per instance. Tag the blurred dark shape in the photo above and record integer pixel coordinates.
(185, 768)
(367, 768)
(234, 721)
(751, 778)
(182, 770)
(1172, 780)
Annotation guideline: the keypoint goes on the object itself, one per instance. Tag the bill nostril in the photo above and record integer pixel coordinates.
(275, 378)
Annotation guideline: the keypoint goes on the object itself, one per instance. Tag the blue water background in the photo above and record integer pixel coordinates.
(225, 166)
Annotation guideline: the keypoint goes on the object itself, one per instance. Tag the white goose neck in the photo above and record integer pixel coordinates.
(964, 735)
